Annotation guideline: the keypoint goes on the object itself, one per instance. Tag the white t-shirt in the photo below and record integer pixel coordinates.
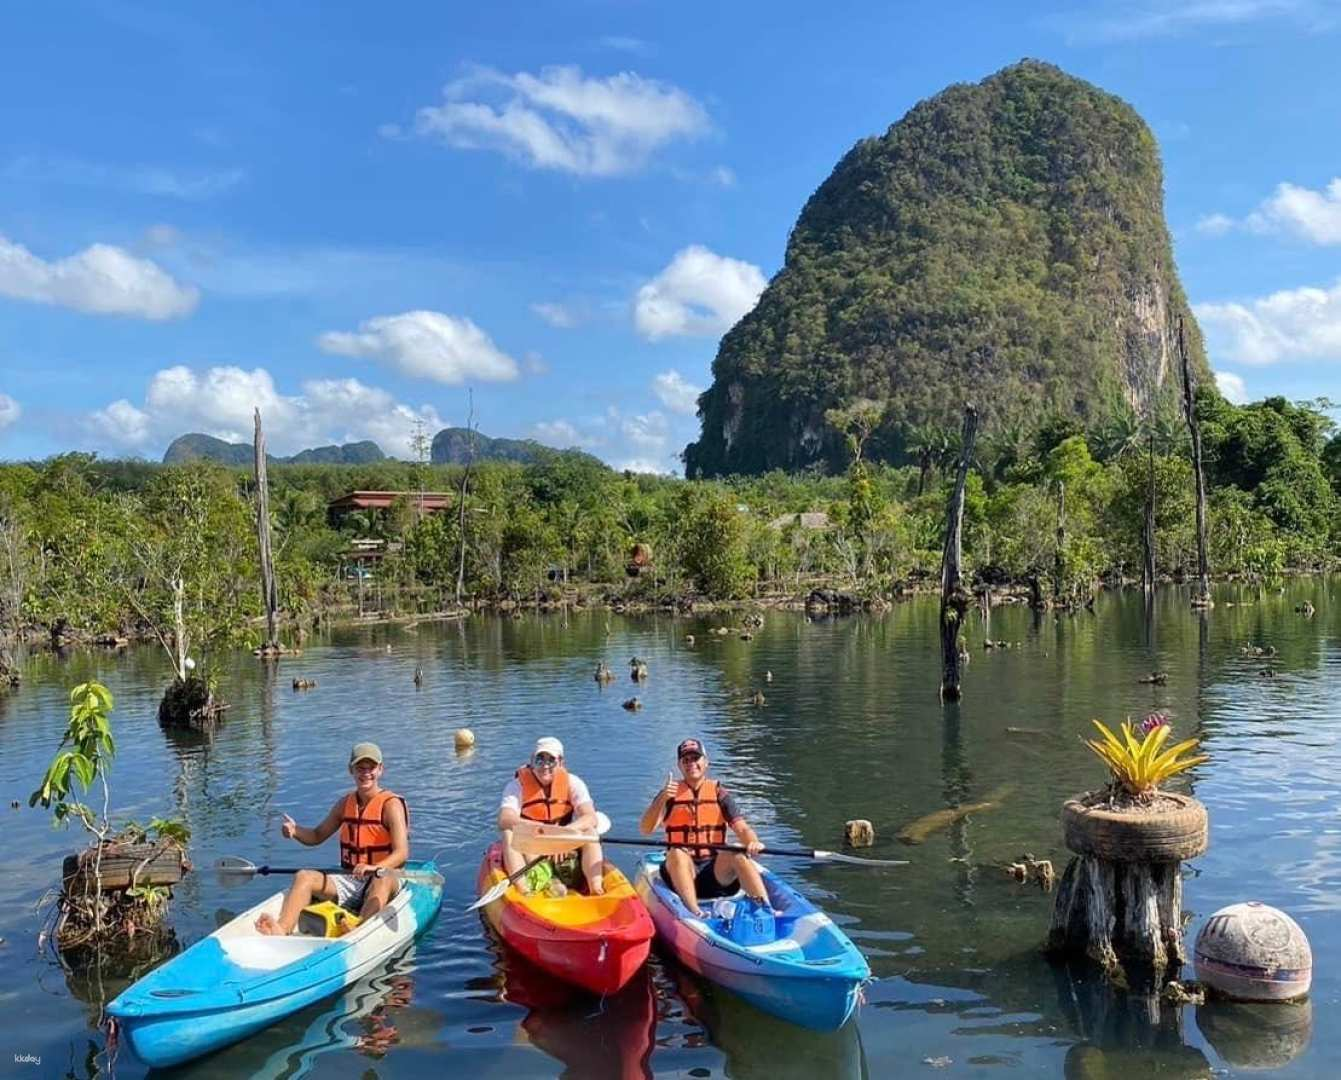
(577, 792)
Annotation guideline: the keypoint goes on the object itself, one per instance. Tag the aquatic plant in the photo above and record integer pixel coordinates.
(1139, 765)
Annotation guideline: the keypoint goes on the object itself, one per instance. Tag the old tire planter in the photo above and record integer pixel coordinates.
(1170, 836)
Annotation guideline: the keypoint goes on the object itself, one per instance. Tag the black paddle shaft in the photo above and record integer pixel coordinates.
(794, 852)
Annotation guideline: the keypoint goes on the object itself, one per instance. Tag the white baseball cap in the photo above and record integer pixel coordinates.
(548, 745)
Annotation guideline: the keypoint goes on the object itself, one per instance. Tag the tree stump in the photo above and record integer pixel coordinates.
(1120, 899)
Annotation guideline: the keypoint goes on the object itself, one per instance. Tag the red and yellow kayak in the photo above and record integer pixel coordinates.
(595, 942)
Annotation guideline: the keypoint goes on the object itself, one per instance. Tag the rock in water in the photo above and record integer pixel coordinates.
(1004, 243)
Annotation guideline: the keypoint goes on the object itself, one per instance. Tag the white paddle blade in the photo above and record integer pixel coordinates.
(855, 860)
(490, 896)
(233, 864)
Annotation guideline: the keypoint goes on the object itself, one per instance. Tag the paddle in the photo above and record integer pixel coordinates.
(502, 887)
(795, 853)
(232, 867)
(538, 838)
(533, 836)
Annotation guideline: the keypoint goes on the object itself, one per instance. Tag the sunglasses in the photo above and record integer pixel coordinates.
(544, 761)
(693, 755)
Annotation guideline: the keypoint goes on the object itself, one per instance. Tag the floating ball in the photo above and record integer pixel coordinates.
(1253, 952)
(465, 738)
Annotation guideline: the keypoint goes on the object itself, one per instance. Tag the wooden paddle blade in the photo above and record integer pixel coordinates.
(537, 838)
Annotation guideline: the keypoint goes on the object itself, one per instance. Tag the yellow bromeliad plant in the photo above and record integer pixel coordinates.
(1140, 763)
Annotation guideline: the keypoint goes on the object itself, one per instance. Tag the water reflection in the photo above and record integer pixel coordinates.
(374, 1018)
(762, 1046)
(608, 1038)
(1253, 1036)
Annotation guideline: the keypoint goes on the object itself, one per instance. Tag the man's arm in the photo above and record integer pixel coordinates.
(323, 832)
(744, 833)
(393, 817)
(656, 809)
(584, 817)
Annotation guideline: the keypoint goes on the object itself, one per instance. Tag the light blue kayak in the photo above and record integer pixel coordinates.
(805, 970)
(237, 981)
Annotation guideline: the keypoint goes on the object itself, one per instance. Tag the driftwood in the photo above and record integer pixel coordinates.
(917, 831)
(124, 866)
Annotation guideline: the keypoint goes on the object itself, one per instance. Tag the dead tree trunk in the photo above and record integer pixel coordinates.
(1058, 554)
(461, 502)
(955, 599)
(269, 594)
(1148, 536)
(1201, 596)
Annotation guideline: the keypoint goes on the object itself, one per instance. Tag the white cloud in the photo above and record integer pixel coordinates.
(624, 43)
(563, 120)
(562, 434)
(1314, 216)
(1160, 18)
(648, 431)
(426, 345)
(101, 279)
(1215, 224)
(153, 180)
(699, 293)
(219, 402)
(1232, 387)
(1294, 324)
(9, 411)
(644, 465)
(676, 392)
(556, 315)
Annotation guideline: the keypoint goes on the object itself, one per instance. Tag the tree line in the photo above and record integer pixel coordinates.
(90, 546)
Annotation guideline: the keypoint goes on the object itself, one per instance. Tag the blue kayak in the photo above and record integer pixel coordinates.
(793, 963)
(237, 981)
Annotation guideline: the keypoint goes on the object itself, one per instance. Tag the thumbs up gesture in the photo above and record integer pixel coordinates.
(672, 786)
(288, 827)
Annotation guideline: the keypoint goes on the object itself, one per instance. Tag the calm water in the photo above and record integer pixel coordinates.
(851, 728)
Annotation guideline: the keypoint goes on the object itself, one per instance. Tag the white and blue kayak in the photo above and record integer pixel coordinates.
(237, 981)
(795, 964)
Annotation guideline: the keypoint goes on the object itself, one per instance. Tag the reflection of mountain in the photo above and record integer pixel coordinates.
(762, 1046)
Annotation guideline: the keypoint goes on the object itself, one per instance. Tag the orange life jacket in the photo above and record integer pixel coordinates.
(694, 818)
(556, 808)
(363, 837)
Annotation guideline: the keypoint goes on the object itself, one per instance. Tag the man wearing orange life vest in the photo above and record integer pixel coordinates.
(544, 790)
(374, 835)
(696, 812)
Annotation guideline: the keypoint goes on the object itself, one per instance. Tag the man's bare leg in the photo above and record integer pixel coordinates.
(306, 885)
(593, 868)
(680, 867)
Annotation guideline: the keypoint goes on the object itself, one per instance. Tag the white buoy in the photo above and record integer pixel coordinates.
(1253, 952)
(465, 738)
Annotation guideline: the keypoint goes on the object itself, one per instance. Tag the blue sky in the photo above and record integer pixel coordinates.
(355, 215)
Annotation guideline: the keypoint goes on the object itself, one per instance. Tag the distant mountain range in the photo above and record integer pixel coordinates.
(197, 447)
(451, 446)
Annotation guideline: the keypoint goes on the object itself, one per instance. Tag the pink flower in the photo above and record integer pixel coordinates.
(1154, 720)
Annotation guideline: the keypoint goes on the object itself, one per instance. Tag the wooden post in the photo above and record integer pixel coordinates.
(1058, 556)
(954, 598)
(1148, 536)
(1201, 596)
(269, 595)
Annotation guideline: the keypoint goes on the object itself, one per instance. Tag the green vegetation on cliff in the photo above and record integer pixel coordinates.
(1003, 243)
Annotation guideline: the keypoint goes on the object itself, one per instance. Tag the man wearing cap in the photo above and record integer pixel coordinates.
(695, 812)
(543, 790)
(374, 835)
